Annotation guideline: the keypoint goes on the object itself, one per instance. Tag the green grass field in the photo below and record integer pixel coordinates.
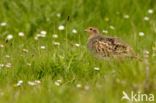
(36, 66)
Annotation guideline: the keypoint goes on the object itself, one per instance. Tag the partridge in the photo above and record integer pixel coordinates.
(105, 46)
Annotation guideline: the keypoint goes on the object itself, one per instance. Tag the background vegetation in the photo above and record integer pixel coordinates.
(43, 54)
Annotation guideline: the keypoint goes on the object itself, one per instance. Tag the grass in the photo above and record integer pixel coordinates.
(73, 65)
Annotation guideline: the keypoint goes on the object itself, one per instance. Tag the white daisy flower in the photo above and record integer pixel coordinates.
(9, 37)
(141, 34)
(58, 15)
(21, 34)
(7, 56)
(31, 83)
(37, 81)
(34, 83)
(146, 52)
(58, 82)
(112, 27)
(1, 65)
(1, 46)
(25, 50)
(3, 24)
(56, 43)
(61, 27)
(55, 36)
(77, 45)
(86, 87)
(36, 37)
(105, 31)
(43, 32)
(29, 64)
(96, 68)
(106, 19)
(8, 65)
(78, 85)
(150, 11)
(43, 47)
(74, 31)
(146, 18)
(19, 83)
(126, 16)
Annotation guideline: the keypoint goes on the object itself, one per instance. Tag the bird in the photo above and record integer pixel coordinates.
(106, 46)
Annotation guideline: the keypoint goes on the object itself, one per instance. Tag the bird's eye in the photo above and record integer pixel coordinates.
(91, 29)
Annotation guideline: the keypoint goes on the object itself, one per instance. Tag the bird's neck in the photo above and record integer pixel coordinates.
(92, 36)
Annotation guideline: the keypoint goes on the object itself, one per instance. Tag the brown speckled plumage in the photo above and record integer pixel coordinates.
(104, 46)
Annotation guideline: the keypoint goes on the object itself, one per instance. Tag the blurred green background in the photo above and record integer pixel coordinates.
(43, 54)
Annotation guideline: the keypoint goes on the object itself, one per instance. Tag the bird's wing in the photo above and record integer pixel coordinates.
(100, 46)
(109, 46)
(121, 48)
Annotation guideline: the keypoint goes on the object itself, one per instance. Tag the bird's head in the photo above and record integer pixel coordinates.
(92, 31)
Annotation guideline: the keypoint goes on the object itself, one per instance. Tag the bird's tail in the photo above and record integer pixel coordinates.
(137, 57)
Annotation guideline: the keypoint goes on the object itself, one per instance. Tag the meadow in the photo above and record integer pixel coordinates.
(44, 58)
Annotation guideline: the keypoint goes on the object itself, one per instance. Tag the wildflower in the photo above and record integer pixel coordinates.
(36, 37)
(55, 36)
(141, 34)
(3, 24)
(43, 32)
(96, 68)
(9, 37)
(56, 43)
(61, 27)
(150, 11)
(25, 50)
(1, 46)
(7, 56)
(146, 52)
(146, 18)
(21, 34)
(58, 15)
(1, 66)
(29, 64)
(126, 16)
(37, 81)
(105, 31)
(58, 82)
(42, 47)
(19, 83)
(31, 83)
(77, 45)
(86, 87)
(8, 65)
(34, 83)
(78, 85)
(74, 31)
(112, 27)
(41, 35)
(106, 19)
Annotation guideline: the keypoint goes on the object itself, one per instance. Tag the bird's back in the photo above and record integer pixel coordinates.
(108, 46)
